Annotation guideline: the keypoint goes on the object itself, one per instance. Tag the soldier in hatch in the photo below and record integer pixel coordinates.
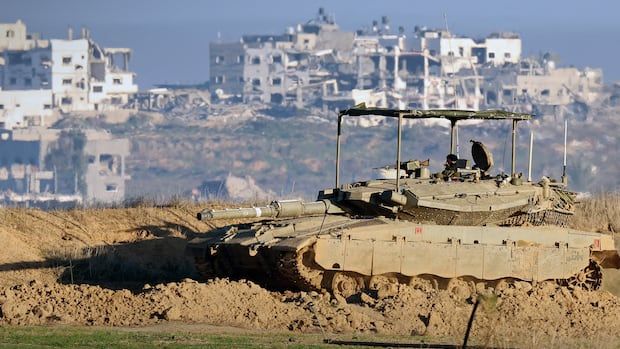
(450, 169)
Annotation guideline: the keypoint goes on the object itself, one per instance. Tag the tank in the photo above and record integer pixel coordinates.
(464, 229)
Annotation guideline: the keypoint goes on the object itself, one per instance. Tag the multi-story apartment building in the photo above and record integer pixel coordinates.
(279, 68)
(39, 76)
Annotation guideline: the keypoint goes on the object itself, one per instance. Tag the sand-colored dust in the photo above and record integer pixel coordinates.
(126, 267)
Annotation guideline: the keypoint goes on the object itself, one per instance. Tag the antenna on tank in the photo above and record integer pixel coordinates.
(564, 177)
(458, 148)
(529, 167)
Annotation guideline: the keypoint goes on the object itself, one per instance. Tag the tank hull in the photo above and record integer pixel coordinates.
(309, 253)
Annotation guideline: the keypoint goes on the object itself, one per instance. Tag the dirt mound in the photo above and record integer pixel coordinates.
(143, 244)
(83, 259)
(521, 314)
(218, 302)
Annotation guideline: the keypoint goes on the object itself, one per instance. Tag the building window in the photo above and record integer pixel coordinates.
(545, 93)
(219, 79)
(66, 81)
(240, 59)
(66, 60)
(97, 88)
(28, 82)
(507, 55)
(461, 51)
(491, 54)
(1, 106)
(13, 81)
(219, 59)
(116, 100)
(306, 41)
(117, 81)
(255, 60)
(451, 53)
(111, 188)
(276, 81)
(10, 34)
(277, 59)
(256, 82)
(66, 101)
(47, 106)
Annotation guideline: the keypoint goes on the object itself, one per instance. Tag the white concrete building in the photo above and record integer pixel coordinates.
(24, 108)
(503, 48)
(70, 75)
(459, 53)
(15, 36)
(111, 84)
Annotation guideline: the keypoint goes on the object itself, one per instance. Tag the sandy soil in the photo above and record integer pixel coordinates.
(126, 267)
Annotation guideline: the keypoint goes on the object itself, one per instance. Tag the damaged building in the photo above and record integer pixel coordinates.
(318, 64)
(48, 166)
(284, 68)
(39, 77)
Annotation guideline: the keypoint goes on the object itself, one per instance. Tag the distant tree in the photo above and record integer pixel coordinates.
(67, 158)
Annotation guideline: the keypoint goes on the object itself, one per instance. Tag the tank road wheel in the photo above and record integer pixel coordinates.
(460, 288)
(300, 271)
(203, 267)
(422, 284)
(502, 286)
(589, 279)
(385, 286)
(345, 285)
(221, 268)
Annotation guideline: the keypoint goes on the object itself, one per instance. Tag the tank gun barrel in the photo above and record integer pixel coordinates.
(277, 209)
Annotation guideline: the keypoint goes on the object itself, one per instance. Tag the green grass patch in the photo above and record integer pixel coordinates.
(182, 337)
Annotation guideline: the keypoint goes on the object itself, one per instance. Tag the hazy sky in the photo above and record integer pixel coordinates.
(170, 38)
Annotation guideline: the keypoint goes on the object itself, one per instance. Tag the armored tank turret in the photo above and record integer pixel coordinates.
(461, 229)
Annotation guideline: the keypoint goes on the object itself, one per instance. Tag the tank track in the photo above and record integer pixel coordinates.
(204, 268)
(298, 271)
(301, 273)
(291, 267)
(546, 217)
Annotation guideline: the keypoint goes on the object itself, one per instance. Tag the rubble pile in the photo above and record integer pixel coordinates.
(189, 103)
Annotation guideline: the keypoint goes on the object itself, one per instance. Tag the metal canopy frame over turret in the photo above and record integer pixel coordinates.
(453, 115)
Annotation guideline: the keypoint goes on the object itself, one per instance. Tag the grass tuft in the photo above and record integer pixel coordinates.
(599, 213)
